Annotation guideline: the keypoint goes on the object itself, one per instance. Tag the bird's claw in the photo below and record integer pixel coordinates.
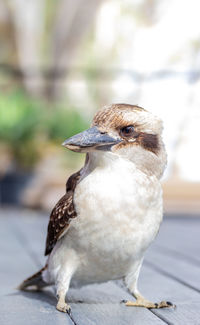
(65, 308)
(164, 304)
(69, 311)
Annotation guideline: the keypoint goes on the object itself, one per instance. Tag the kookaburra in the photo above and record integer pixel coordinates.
(112, 208)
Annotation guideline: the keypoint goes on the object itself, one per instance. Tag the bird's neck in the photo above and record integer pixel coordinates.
(107, 160)
(151, 165)
(102, 159)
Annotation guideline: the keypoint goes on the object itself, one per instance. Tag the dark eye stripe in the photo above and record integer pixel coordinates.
(149, 142)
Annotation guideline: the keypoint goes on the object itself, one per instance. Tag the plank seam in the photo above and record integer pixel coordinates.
(161, 317)
(161, 271)
(176, 253)
(25, 244)
(73, 321)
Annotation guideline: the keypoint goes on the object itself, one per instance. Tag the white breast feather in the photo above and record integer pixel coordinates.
(119, 212)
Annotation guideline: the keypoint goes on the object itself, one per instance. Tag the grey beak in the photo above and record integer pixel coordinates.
(90, 139)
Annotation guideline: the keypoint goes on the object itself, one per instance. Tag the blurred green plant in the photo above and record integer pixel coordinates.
(62, 123)
(27, 125)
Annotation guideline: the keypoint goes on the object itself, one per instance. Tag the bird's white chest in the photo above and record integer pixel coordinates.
(119, 210)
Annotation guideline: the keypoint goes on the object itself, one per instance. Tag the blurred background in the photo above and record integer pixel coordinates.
(62, 60)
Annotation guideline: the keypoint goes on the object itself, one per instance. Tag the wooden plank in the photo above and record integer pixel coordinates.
(19, 307)
(182, 234)
(31, 229)
(101, 302)
(158, 287)
(174, 264)
(187, 313)
(112, 314)
(30, 308)
(181, 238)
(15, 265)
(178, 269)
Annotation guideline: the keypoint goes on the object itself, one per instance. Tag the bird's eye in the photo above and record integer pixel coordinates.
(127, 131)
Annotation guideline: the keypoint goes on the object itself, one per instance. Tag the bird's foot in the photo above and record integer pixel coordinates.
(64, 307)
(148, 304)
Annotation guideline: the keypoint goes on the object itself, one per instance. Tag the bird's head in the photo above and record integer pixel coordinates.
(128, 131)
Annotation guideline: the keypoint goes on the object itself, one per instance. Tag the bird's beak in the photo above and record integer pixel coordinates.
(89, 140)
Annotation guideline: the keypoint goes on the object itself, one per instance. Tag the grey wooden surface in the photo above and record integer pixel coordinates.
(171, 271)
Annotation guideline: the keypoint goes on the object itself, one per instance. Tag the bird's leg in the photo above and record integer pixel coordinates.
(131, 283)
(62, 285)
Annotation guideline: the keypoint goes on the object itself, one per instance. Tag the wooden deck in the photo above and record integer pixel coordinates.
(171, 271)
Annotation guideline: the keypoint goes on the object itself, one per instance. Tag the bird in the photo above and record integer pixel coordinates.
(112, 209)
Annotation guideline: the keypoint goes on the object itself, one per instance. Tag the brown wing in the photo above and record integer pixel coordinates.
(62, 214)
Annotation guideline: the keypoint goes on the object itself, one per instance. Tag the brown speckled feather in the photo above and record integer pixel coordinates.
(62, 214)
(112, 116)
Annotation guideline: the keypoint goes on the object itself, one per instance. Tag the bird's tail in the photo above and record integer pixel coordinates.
(34, 280)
